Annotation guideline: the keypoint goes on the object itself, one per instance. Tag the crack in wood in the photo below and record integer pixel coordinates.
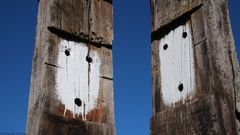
(198, 43)
(52, 65)
(104, 77)
(89, 72)
(237, 113)
(76, 38)
(42, 99)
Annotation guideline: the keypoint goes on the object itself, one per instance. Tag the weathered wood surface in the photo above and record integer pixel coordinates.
(87, 19)
(212, 105)
(165, 11)
(72, 82)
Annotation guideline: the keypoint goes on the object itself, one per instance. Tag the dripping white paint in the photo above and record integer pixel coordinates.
(77, 78)
(177, 65)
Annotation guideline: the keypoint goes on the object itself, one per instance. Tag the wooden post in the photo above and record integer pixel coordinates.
(72, 82)
(194, 69)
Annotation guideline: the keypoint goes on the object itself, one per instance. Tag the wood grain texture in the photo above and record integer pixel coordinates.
(215, 107)
(166, 11)
(87, 19)
(64, 25)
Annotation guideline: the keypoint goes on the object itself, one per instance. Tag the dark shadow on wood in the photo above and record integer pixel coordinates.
(109, 1)
(237, 114)
(72, 37)
(164, 30)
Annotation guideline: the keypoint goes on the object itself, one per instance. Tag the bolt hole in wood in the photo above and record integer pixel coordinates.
(78, 102)
(67, 52)
(184, 34)
(180, 87)
(89, 59)
(165, 47)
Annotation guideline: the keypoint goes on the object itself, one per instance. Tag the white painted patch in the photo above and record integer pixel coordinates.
(73, 78)
(177, 66)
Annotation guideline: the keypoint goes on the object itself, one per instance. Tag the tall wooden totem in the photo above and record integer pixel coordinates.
(72, 80)
(194, 69)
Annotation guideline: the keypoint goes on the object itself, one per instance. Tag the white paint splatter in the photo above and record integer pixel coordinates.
(177, 66)
(72, 79)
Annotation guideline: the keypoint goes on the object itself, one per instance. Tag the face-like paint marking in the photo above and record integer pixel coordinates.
(77, 78)
(177, 65)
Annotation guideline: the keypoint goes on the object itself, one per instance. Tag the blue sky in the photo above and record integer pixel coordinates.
(132, 62)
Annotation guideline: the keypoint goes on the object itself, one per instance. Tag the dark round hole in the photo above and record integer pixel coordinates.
(89, 59)
(165, 47)
(67, 52)
(180, 87)
(78, 102)
(184, 34)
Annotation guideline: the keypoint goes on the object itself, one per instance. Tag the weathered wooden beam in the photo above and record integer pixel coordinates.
(195, 69)
(72, 82)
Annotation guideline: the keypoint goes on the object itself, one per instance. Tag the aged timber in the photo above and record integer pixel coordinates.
(72, 82)
(195, 69)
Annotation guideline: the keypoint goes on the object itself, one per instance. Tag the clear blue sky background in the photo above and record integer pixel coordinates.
(132, 62)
